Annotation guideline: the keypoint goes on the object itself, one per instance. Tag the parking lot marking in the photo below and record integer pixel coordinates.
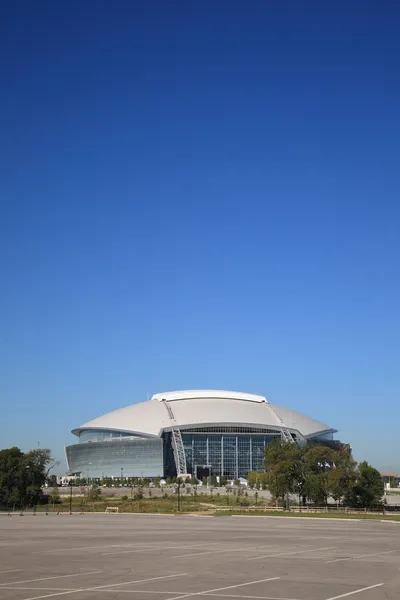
(219, 551)
(105, 591)
(251, 597)
(55, 594)
(101, 587)
(360, 556)
(78, 548)
(11, 571)
(141, 592)
(228, 587)
(145, 592)
(370, 587)
(108, 585)
(154, 549)
(25, 587)
(290, 553)
(53, 577)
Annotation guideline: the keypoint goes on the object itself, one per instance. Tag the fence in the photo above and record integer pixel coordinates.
(393, 509)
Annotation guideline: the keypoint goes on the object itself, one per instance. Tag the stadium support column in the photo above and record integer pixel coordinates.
(237, 458)
(222, 455)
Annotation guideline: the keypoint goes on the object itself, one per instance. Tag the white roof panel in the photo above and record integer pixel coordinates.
(204, 407)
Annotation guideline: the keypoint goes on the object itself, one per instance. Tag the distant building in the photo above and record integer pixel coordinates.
(190, 432)
(391, 480)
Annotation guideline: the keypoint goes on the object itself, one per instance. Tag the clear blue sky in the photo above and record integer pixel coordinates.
(200, 195)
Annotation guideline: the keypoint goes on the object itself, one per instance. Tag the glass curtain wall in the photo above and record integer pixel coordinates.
(230, 456)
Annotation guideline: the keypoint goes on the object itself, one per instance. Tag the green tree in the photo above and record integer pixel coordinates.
(342, 476)
(257, 480)
(12, 478)
(52, 481)
(252, 479)
(94, 494)
(318, 463)
(283, 466)
(368, 488)
(55, 496)
(22, 476)
(213, 480)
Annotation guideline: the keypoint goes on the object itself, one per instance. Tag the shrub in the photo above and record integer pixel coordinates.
(94, 494)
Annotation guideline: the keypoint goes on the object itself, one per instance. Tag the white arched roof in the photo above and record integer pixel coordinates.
(199, 408)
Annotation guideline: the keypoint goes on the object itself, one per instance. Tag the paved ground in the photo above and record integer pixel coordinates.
(172, 558)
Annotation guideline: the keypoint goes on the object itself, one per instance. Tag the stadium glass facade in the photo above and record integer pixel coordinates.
(188, 432)
(102, 454)
(229, 452)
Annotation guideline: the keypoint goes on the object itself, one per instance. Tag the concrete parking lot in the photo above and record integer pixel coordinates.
(146, 557)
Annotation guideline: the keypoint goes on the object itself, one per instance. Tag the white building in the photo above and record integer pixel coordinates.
(198, 432)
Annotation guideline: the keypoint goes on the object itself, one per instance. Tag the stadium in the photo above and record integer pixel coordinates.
(197, 432)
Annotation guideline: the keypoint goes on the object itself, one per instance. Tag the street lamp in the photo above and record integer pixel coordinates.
(122, 474)
(179, 495)
(70, 496)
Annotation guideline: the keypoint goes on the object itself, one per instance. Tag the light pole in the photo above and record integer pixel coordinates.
(122, 474)
(179, 496)
(70, 497)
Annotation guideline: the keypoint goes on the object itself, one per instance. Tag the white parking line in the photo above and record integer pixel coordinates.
(155, 548)
(33, 589)
(360, 556)
(251, 597)
(294, 552)
(228, 587)
(146, 592)
(243, 549)
(101, 587)
(11, 571)
(51, 595)
(79, 548)
(53, 577)
(108, 585)
(105, 591)
(370, 587)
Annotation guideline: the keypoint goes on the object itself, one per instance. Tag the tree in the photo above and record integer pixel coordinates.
(41, 461)
(54, 497)
(12, 478)
(368, 488)
(257, 480)
(283, 466)
(314, 471)
(22, 476)
(319, 461)
(342, 476)
(52, 480)
(94, 494)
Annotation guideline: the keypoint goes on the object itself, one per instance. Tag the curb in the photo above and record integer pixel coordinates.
(301, 518)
